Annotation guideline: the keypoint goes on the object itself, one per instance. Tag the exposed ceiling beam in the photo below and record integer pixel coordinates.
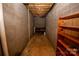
(39, 9)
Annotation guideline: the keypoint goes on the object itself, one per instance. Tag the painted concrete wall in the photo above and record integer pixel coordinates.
(16, 24)
(39, 22)
(0, 48)
(0, 39)
(1, 27)
(61, 9)
(30, 19)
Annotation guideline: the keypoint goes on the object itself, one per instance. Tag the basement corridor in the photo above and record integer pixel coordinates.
(39, 45)
(39, 29)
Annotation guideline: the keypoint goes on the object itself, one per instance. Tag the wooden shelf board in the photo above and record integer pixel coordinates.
(67, 47)
(61, 51)
(69, 37)
(75, 15)
(71, 27)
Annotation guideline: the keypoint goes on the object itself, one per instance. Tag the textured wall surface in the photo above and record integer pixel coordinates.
(58, 10)
(15, 17)
(39, 22)
(31, 23)
(0, 39)
(0, 48)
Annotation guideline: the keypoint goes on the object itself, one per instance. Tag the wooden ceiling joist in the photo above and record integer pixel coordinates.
(39, 9)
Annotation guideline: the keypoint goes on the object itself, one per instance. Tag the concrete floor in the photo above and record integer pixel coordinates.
(39, 45)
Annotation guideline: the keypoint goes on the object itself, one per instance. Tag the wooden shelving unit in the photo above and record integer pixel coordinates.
(67, 47)
(74, 15)
(70, 27)
(62, 52)
(72, 39)
(64, 38)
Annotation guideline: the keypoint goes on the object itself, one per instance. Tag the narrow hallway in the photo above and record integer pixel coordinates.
(39, 45)
(39, 29)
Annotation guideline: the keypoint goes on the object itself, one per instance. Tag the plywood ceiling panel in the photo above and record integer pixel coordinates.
(39, 9)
